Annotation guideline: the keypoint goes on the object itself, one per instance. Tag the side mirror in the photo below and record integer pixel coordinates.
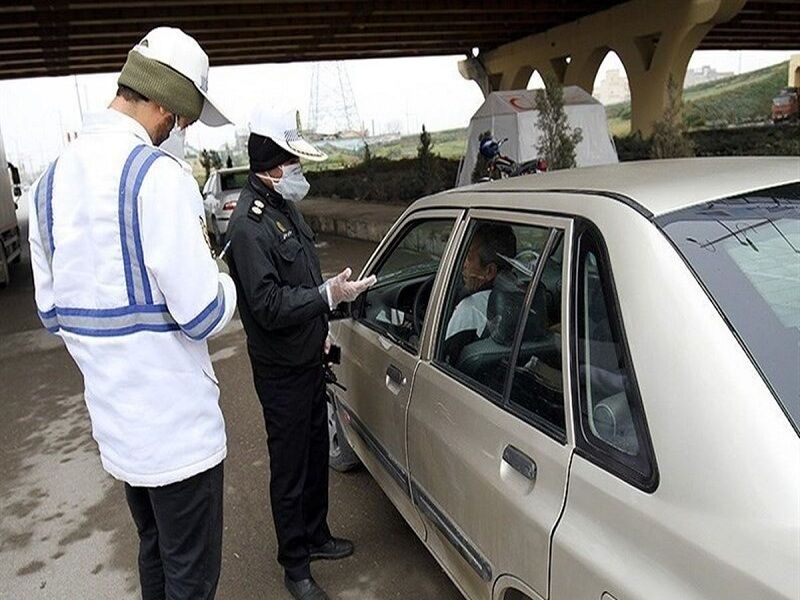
(343, 311)
(350, 310)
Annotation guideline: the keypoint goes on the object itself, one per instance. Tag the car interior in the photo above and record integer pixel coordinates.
(396, 304)
(601, 369)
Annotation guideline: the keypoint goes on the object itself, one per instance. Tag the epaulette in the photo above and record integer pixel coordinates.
(256, 210)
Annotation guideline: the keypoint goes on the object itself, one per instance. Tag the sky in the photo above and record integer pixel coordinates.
(397, 94)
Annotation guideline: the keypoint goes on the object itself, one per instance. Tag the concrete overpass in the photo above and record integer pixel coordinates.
(566, 39)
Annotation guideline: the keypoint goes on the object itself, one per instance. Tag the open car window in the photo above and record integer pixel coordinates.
(485, 300)
(396, 304)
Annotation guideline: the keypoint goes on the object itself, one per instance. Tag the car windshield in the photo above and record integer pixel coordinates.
(233, 181)
(746, 251)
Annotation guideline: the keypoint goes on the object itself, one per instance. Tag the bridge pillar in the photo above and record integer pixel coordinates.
(794, 71)
(654, 41)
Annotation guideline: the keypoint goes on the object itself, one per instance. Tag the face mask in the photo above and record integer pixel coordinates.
(293, 185)
(175, 144)
(175, 140)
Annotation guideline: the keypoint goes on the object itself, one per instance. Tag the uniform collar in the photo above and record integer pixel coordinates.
(112, 120)
(271, 196)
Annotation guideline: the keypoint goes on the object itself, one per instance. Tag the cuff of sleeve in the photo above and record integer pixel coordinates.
(325, 291)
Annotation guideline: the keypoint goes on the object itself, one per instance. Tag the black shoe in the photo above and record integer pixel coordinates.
(333, 549)
(305, 589)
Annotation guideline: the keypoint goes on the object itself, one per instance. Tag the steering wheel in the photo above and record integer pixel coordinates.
(421, 299)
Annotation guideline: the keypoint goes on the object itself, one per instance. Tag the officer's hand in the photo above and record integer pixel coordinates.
(328, 343)
(344, 290)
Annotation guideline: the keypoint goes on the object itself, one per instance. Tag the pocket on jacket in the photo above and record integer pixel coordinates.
(289, 249)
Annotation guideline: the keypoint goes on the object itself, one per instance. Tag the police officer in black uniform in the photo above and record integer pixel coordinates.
(284, 306)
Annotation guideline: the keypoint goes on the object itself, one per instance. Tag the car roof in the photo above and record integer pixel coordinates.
(656, 187)
(231, 170)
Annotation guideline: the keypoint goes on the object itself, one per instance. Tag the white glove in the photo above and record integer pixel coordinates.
(343, 290)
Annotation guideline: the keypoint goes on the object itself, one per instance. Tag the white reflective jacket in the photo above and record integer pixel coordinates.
(124, 274)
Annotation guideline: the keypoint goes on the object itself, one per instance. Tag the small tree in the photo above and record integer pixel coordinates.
(669, 139)
(367, 154)
(559, 140)
(426, 170)
(205, 162)
(424, 150)
(210, 159)
(481, 169)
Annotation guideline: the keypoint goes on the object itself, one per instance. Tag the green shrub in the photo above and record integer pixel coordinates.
(384, 180)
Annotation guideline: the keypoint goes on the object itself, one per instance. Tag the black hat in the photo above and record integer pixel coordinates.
(265, 154)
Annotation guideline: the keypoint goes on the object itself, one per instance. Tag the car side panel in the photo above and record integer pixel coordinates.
(724, 521)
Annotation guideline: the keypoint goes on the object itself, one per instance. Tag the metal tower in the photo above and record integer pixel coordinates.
(332, 109)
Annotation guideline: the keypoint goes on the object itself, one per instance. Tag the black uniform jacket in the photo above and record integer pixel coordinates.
(274, 263)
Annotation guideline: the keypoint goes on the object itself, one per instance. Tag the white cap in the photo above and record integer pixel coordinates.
(172, 47)
(281, 128)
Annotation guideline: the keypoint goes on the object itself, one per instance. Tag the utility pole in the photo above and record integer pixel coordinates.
(78, 96)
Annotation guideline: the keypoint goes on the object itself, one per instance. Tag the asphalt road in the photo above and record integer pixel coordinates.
(65, 531)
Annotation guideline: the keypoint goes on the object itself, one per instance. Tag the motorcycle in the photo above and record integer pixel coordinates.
(501, 166)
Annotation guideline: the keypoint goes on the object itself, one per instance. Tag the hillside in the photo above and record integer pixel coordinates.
(745, 98)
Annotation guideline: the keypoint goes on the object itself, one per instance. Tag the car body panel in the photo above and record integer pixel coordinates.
(380, 403)
(495, 508)
(723, 520)
(215, 198)
(655, 186)
(727, 508)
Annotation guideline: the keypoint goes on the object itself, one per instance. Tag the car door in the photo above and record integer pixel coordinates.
(209, 199)
(381, 349)
(488, 447)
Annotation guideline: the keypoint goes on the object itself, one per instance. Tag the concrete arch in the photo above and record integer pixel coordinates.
(610, 55)
(535, 77)
(653, 40)
(583, 67)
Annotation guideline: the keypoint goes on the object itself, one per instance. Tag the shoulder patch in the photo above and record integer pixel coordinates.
(256, 210)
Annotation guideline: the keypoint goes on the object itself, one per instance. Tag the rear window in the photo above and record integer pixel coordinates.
(746, 251)
(233, 181)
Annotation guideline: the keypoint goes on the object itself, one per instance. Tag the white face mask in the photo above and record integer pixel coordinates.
(176, 142)
(293, 185)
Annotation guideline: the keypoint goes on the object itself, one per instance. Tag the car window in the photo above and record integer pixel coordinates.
(396, 304)
(485, 300)
(746, 252)
(233, 181)
(611, 416)
(537, 388)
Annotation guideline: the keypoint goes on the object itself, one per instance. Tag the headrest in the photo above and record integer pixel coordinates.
(503, 308)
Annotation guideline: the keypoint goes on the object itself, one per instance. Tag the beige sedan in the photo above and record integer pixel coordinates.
(586, 384)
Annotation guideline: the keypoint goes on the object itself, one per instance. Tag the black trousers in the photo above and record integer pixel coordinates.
(180, 536)
(296, 418)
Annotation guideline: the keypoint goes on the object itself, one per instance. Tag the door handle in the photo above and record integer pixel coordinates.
(520, 462)
(395, 375)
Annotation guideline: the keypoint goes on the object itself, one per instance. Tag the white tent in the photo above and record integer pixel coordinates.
(512, 115)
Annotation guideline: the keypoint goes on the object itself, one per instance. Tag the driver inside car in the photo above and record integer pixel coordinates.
(491, 246)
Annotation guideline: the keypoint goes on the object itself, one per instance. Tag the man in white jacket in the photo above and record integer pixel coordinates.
(124, 275)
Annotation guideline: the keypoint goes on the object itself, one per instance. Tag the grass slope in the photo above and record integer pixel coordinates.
(745, 98)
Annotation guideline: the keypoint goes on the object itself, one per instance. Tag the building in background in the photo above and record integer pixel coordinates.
(704, 74)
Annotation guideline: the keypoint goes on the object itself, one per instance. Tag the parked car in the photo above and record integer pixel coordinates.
(612, 410)
(786, 105)
(220, 194)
